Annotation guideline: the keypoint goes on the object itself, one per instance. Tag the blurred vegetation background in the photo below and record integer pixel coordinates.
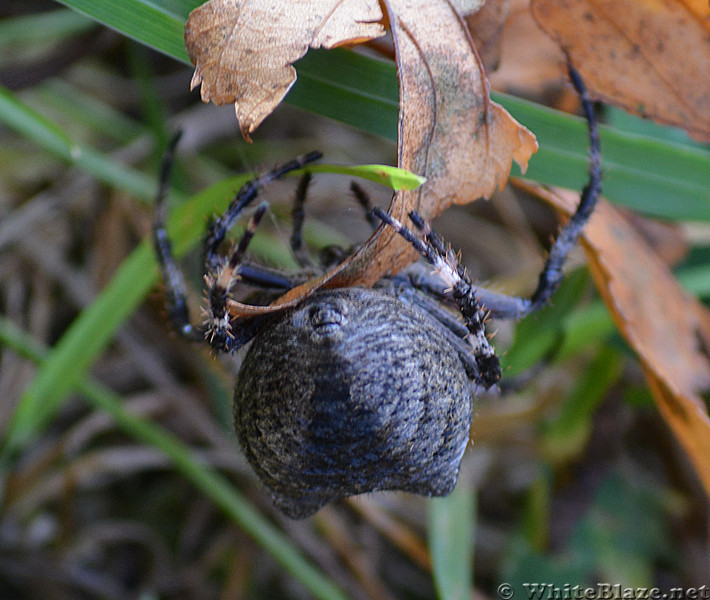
(120, 476)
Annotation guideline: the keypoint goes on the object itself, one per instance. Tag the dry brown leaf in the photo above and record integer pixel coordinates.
(531, 63)
(243, 50)
(449, 130)
(486, 28)
(669, 330)
(651, 57)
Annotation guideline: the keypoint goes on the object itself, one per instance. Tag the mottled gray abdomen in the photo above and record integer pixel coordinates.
(352, 391)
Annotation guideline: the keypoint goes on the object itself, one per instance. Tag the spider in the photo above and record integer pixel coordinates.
(354, 389)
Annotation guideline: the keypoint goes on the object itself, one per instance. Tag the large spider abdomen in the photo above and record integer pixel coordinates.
(353, 391)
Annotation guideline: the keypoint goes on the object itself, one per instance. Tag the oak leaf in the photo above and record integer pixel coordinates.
(649, 57)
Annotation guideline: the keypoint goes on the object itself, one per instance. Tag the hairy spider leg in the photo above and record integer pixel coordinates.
(221, 275)
(218, 228)
(463, 292)
(175, 290)
(467, 300)
(502, 306)
(217, 324)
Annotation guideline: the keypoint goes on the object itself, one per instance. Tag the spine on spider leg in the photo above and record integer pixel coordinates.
(551, 276)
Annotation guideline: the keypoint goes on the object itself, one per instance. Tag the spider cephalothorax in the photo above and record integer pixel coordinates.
(355, 390)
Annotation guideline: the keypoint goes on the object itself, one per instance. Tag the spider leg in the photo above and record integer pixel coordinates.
(513, 307)
(551, 275)
(218, 228)
(363, 200)
(218, 322)
(464, 294)
(266, 277)
(175, 291)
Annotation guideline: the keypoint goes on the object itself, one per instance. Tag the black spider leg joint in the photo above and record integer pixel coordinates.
(220, 274)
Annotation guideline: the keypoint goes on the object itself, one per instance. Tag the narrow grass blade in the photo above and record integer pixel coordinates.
(29, 123)
(451, 534)
(392, 177)
(158, 24)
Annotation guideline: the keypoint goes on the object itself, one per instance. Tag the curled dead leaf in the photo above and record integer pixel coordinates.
(668, 329)
(450, 132)
(243, 50)
(651, 58)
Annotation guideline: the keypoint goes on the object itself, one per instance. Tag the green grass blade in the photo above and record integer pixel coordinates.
(392, 177)
(350, 88)
(29, 123)
(157, 24)
(451, 532)
(211, 483)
